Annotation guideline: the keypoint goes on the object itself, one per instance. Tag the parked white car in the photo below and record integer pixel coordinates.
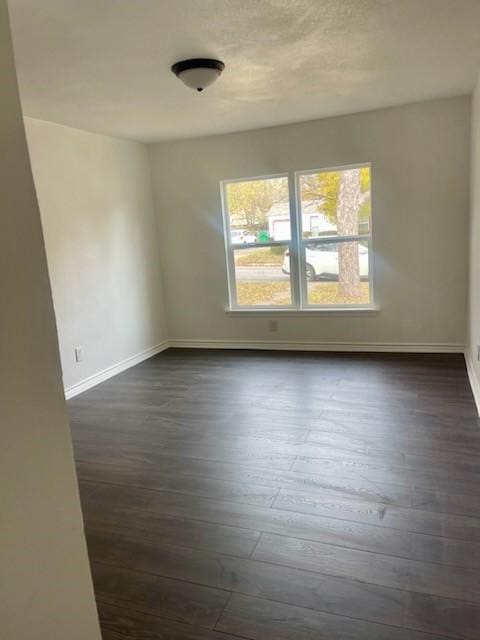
(322, 261)
(242, 236)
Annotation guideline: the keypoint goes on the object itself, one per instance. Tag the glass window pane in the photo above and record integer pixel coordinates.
(337, 273)
(258, 210)
(335, 202)
(262, 276)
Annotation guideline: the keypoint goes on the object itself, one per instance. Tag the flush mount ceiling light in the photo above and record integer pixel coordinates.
(198, 73)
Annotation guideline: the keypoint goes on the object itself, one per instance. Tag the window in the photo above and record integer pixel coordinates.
(300, 242)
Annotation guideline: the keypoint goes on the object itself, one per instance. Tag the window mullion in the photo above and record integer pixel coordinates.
(294, 245)
(256, 245)
(336, 239)
(300, 261)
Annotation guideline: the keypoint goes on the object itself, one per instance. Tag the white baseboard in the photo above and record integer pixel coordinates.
(473, 379)
(403, 347)
(109, 372)
(275, 345)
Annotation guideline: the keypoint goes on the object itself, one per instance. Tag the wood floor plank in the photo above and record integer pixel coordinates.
(203, 445)
(261, 619)
(357, 510)
(124, 623)
(365, 399)
(443, 502)
(156, 480)
(326, 484)
(103, 451)
(361, 439)
(443, 480)
(180, 429)
(397, 573)
(391, 421)
(455, 618)
(329, 530)
(145, 592)
(171, 530)
(282, 584)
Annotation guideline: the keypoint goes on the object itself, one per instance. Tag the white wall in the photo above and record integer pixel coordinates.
(100, 231)
(474, 271)
(420, 158)
(45, 584)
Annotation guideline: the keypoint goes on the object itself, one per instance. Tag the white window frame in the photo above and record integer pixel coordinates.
(296, 246)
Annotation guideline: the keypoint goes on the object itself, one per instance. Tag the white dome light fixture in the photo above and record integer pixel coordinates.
(198, 73)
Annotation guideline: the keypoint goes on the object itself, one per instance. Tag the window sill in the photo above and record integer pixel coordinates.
(306, 313)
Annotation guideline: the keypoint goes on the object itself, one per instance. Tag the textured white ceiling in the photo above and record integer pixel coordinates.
(104, 65)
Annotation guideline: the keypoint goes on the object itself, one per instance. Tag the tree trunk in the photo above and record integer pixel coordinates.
(348, 209)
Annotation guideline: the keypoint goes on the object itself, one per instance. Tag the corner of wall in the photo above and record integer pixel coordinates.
(473, 314)
(105, 255)
(473, 379)
(156, 207)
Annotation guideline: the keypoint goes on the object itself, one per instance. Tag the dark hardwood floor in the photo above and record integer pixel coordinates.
(289, 496)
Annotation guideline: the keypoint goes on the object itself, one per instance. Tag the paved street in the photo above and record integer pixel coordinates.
(260, 273)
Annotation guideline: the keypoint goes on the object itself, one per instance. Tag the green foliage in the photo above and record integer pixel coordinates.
(248, 202)
(324, 187)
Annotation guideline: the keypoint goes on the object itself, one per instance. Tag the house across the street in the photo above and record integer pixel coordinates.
(313, 222)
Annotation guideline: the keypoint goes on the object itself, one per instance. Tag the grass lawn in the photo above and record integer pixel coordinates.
(263, 293)
(263, 257)
(278, 293)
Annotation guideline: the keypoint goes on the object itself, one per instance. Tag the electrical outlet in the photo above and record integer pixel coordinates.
(78, 354)
(273, 326)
